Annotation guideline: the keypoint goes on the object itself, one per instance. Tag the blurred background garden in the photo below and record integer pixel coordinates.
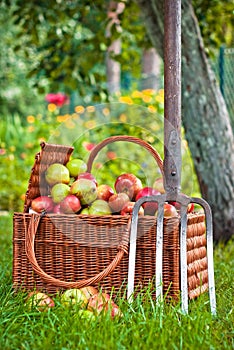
(83, 72)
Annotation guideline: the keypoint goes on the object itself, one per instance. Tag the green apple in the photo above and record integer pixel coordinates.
(74, 296)
(85, 211)
(86, 314)
(76, 167)
(40, 301)
(57, 173)
(100, 207)
(59, 192)
(85, 190)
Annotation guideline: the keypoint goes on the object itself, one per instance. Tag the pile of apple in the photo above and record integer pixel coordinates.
(89, 302)
(74, 190)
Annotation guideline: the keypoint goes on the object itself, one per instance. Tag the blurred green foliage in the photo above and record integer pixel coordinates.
(139, 114)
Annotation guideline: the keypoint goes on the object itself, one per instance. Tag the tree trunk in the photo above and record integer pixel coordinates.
(205, 117)
(151, 63)
(113, 68)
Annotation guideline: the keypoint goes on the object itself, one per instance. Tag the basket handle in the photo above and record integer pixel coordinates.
(30, 234)
(127, 138)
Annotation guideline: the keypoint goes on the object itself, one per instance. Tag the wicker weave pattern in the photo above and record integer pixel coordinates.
(64, 251)
(73, 248)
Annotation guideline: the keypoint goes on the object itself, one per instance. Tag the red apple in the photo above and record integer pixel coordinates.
(128, 183)
(158, 185)
(70, 204)
(97, 302)
(150, 208)
(190, 207)
(102, 302)
(104, 192)
(117, 201)
(169, 210)
(128, 207)
(87, 176)
(57, 209)
(42, 203)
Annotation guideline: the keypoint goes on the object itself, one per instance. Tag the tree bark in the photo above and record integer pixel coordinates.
(151, 63)
(204, 115)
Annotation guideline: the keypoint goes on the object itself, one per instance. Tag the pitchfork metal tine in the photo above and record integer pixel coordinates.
(183, 259)
(160, 199)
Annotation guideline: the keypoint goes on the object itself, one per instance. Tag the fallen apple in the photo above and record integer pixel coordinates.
(57, 173)
(97, 302)
(85, 314)
(85, 190)
(40, 301)
(102, 303)
(104, 192)
(70, 204)
(42, 203)
(74, 296)
(150, 208)
(129, 184)
(117, 201)
(59, 192)
(89, 291)
(99, 207)
(76, 166)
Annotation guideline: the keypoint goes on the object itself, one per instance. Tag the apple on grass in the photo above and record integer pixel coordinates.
(40, 301)
(85, 190)
(99, 207)
(102, 303)
(74, 296)
(89, 291)
(129, 184)
(59, 192)
(87, 315)
(104, 192)
(57, 173)
(70, 204)
(42, 203)
(76, 166)
(117, 201)
(150, 208)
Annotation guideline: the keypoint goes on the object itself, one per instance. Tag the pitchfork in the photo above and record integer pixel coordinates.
(172, 170)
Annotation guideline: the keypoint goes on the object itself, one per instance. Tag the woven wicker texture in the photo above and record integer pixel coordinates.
(56, 252)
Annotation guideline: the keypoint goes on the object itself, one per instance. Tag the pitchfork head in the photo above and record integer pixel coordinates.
(183, 200)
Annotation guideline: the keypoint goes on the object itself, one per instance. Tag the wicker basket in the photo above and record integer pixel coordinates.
(54, 252)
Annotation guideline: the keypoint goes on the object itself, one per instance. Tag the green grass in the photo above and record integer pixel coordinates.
(143, 326)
